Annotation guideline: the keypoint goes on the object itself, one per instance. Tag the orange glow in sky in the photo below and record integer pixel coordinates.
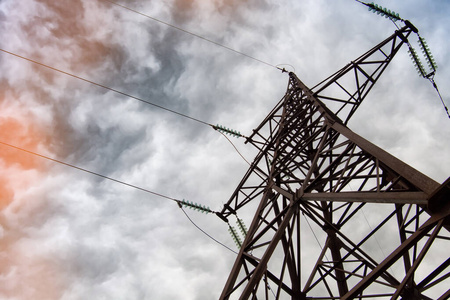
(21, 134)
(32, 276)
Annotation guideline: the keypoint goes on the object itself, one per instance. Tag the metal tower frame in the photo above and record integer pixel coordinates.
(312, 171)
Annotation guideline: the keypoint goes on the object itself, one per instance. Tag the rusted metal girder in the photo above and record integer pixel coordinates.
(312, 170)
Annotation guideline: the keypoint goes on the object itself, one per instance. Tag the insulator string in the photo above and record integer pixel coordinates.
(432, 66)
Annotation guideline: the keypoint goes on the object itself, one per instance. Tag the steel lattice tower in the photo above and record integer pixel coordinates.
(312, 171)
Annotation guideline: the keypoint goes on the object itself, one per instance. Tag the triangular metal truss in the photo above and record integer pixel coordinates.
(371, 217)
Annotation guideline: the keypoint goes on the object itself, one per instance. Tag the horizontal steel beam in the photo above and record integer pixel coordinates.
(418, 198)
(420, 180)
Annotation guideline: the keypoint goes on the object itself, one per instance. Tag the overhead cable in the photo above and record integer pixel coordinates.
(106, 87)
(91, 172)
(218, 128)
(191, 33)
(205, 233)
(235, 148)
(180, 203)
(439, 94)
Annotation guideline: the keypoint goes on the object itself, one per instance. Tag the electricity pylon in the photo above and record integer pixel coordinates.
(372, 218)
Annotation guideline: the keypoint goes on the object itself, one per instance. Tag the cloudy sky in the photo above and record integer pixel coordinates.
(66, 234)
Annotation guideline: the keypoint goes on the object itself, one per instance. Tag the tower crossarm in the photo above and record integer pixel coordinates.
(345, 90)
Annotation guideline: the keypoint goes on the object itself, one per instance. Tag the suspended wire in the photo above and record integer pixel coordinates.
(378, 243)
(106, 87)
(114, 90)
(374, 235)
(121, 93)
(317, 240)
(439, 94)
(268, 285)
(395, 24)
(179, 202)
(204, 232)
(236, 149)
(91, 172)
(191, 33)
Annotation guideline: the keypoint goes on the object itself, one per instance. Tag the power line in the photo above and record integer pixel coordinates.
(439, 94)
(204, 232)
(232, 144)
(317, 240)
(91, 172)
(191, 33)
(105, 87)
(111, 89)
(116, 91)
(378, 243)
(179, 202)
